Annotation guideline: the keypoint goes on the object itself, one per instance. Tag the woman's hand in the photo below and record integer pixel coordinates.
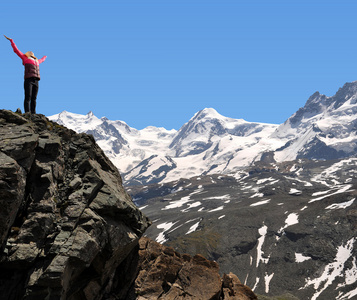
(7, 37)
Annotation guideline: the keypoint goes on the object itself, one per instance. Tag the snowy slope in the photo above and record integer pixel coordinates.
(325, 128)
(209, 143)
(127, 147)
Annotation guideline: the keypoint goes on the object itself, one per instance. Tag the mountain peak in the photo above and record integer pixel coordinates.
(211, 142)
(63, 113)
(208, 112)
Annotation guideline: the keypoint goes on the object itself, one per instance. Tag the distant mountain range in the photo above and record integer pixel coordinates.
(275, 204)
(209, 143)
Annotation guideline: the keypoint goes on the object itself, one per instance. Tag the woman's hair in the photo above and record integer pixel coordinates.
(30, 54)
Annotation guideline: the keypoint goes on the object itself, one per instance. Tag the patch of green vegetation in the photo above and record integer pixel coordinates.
(49, 126)
(204, 242)
(52, 125)
(58, 126)
(62, 206)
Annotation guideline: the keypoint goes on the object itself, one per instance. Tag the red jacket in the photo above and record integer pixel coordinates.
(32, 66)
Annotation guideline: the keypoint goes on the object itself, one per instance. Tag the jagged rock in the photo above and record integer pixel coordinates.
(66, 221)
(233, 289)
(12, 190)
(162, 273)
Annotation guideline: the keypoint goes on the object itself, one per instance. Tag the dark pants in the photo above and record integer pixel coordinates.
(31, 90)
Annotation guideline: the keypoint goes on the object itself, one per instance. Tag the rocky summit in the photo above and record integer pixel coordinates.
(69, 230)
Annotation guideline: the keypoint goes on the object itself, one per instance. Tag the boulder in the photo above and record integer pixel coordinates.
(163, 273)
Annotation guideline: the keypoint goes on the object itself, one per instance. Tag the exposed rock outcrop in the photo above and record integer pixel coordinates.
(69, 230)
(163, 273)
(66, 222)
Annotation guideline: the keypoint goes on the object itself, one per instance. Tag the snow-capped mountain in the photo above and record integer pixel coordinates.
(275, 204)
(325, 128)
(205, 144)
(210, 143)
(127, 147)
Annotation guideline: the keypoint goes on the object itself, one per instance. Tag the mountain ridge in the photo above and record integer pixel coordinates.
(325, 128)
(152, 142)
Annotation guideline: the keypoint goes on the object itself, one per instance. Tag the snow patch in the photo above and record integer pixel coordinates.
(264, 180)
(343, 189)
(295, 192)
(165, 226)
(216, 209)
(256, 283)
(182, 201)
(178, 203)
(348, 295)
(301, 258)
(224, 197)
(291, 219)
(267, 279)
(332, 270)
(341, 205)
(260, 195)
(262, 231)
(261, 202)
(193, 227)
(191, 205)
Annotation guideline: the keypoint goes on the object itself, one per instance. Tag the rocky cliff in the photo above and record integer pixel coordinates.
(69, 230)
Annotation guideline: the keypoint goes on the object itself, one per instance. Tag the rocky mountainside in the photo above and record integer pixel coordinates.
(69, 230)
(325, 128)
(283, 228)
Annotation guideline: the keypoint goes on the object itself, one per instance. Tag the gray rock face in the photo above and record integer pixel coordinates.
(12, 190)
(66, 222)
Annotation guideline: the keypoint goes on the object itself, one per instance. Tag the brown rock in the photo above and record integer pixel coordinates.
(162, 273)
(233, 289)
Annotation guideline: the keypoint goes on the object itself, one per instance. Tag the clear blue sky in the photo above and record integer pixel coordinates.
(150, 62)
